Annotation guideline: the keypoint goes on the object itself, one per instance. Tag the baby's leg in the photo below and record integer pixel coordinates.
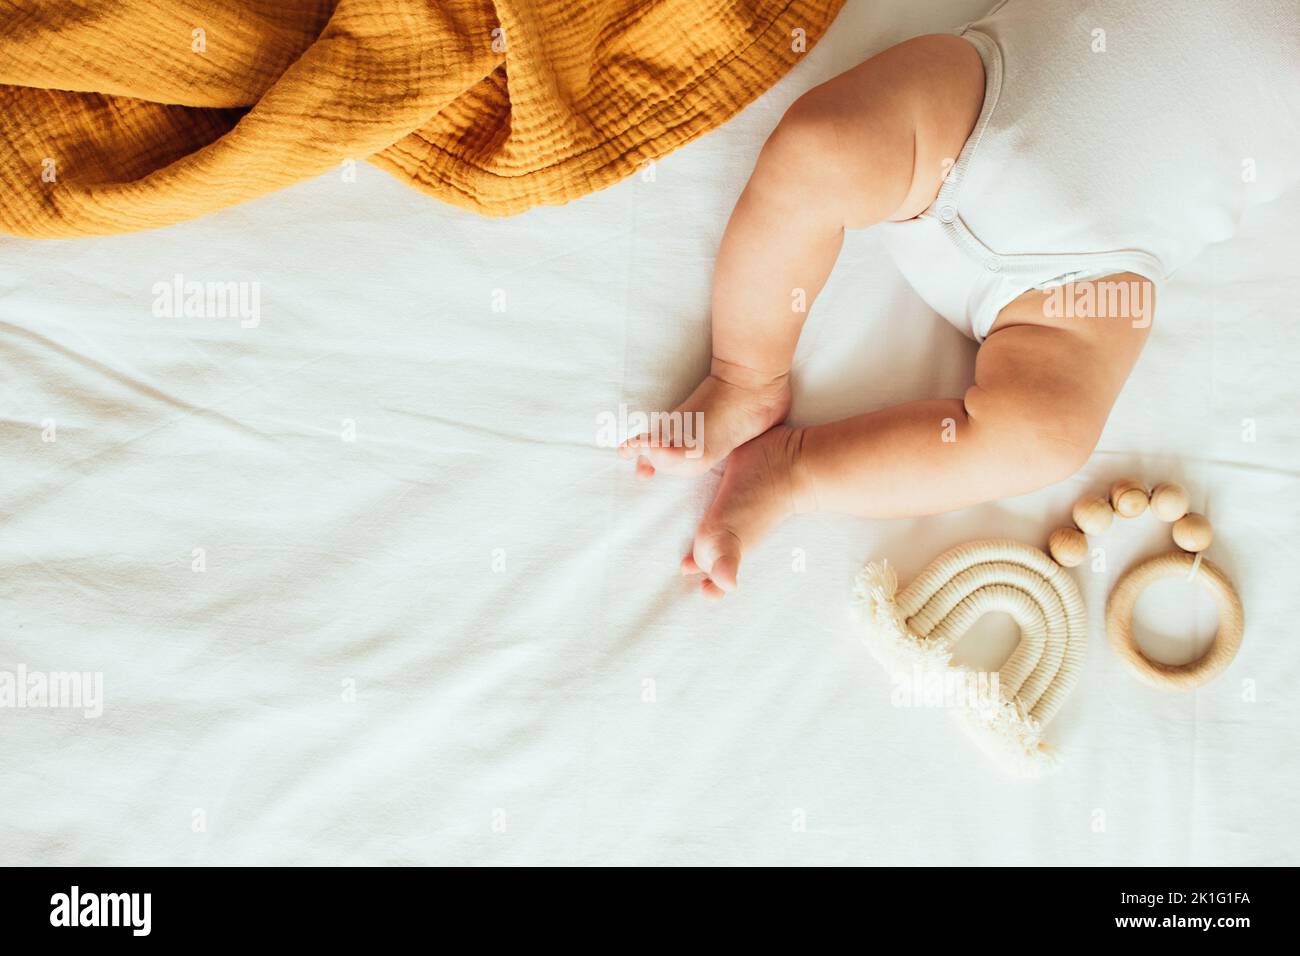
(1043, 389)
(868, 145)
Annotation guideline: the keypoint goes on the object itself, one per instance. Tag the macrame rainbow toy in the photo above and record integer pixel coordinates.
(912, 633)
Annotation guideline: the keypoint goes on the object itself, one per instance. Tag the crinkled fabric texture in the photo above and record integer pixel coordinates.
(530, 681)
(141, 113)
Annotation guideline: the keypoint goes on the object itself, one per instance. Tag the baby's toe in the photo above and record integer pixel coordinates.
(632, 447)
(717, 555)
(711, 590)
(673, 461)
(724, 571)
(666, 456)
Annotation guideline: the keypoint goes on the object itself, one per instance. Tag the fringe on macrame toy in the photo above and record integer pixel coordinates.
(912, 634)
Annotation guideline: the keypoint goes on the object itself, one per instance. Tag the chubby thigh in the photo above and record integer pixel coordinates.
(1068, 350)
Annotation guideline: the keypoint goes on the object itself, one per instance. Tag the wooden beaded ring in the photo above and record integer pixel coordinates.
(1119, 621)
(1192, 533)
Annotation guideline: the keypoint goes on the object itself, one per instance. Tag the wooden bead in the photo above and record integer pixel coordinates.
(1169, 501)
(1128, 498)
(1068, 546)
(1092, 515)
(1192, 532)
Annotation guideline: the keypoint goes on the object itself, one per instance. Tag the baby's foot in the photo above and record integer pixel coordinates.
(762, 485)
(731, 406)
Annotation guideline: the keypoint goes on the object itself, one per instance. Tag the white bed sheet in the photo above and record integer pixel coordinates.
(533, 683)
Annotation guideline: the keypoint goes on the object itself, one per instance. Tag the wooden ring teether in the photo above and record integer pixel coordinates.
(1119, 620)
(1192, 533)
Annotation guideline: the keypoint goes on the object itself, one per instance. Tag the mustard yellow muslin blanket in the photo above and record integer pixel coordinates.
(117, 115)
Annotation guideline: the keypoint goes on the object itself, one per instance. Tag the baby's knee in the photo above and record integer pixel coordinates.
(838, 150)
(805, 155)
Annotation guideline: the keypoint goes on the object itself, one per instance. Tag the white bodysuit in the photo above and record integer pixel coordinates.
(1115, 136)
